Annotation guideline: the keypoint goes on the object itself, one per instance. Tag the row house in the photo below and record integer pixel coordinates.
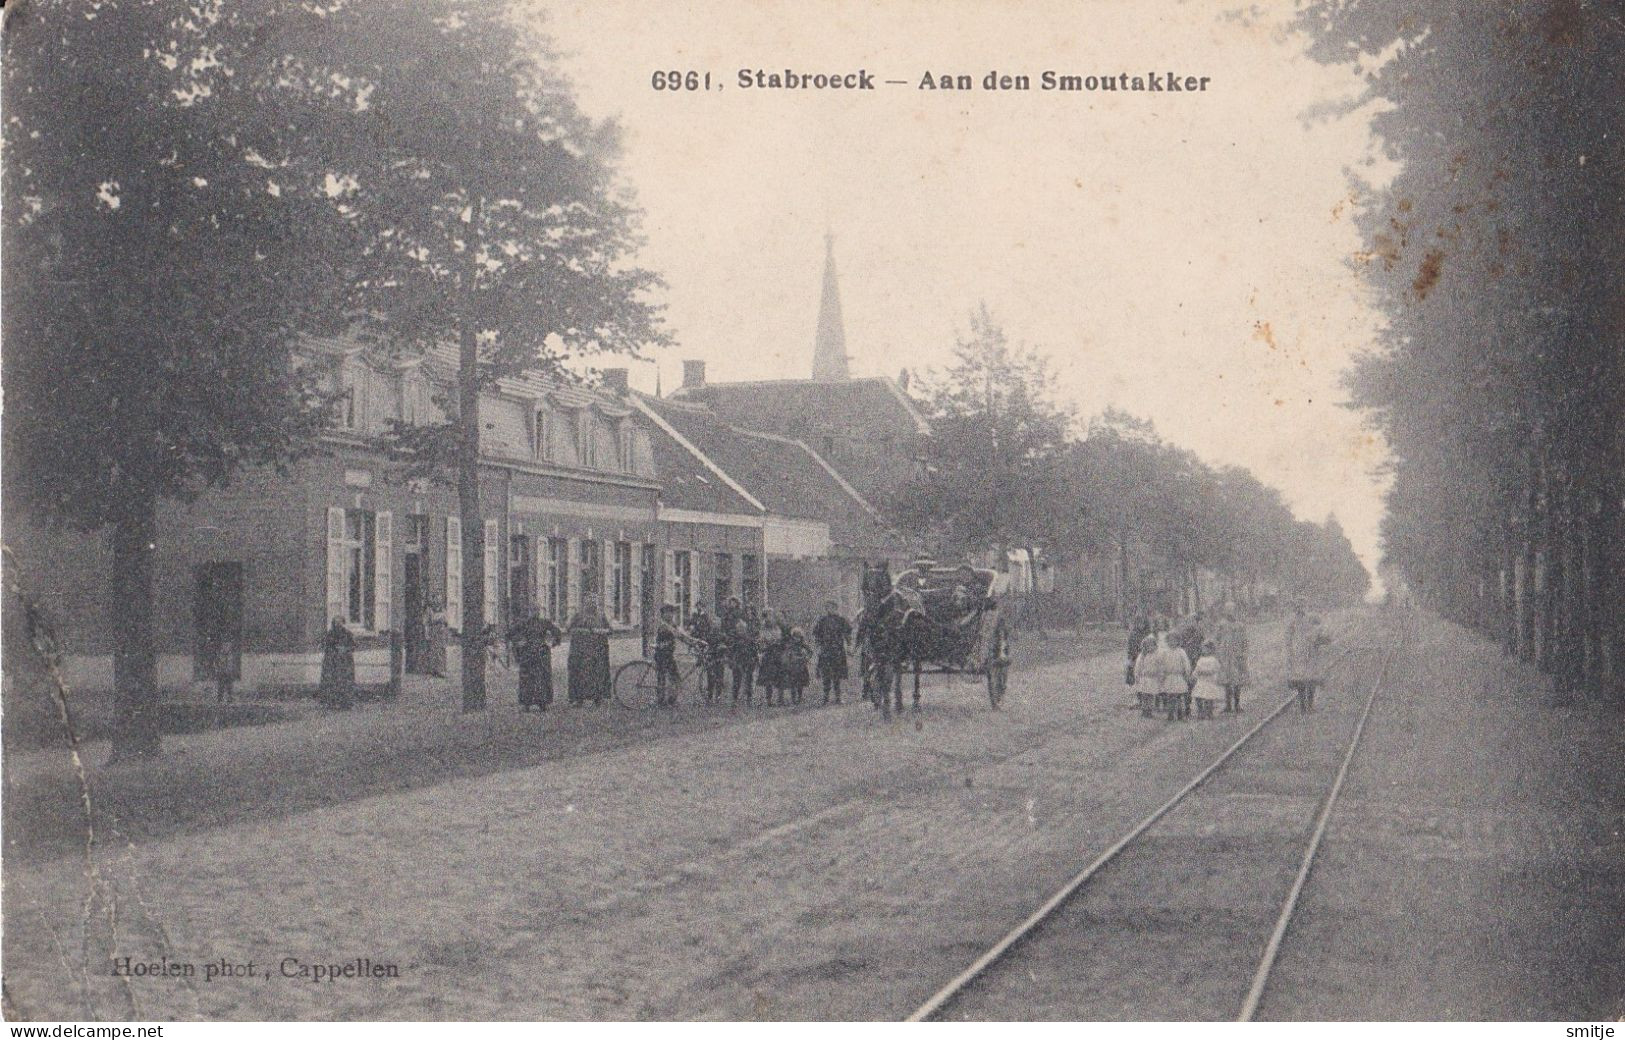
(249, 576)
(633, 500)
(817, 531)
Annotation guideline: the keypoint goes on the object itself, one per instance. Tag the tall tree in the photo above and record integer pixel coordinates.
(162, 212)
(1499, 255)
(992, 478)
(488, 215)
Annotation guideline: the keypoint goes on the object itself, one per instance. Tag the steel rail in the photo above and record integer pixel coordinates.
(1016, 935)
(1272, 949)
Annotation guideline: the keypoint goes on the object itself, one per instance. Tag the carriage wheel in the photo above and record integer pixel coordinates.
(634, 685)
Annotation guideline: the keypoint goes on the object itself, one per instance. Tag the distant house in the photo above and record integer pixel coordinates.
(711, 529)
(816, 529)
(866, 428)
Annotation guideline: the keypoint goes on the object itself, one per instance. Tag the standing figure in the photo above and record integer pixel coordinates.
(338, 666)
(1139, 627)
(667, 636)
(1207, 687)
(589, 653)
(833, 635)
(728, 616)
(1192, 636)
(532, 640)
(794, 653)
(742, 658)
(1175, 679)
(707, 640)
(1305, 664)
(1230, 646)
(768, 639)
(1147, 676)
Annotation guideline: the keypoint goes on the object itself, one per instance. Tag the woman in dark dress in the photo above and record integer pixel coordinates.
(338, 667)
(742, 659)
(768, 638)
(589, 653)
(532, 641)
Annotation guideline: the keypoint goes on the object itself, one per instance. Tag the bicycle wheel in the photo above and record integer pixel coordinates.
(634, 685)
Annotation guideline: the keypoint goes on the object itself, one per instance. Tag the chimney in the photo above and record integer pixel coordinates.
(614, 380)
(693, 374)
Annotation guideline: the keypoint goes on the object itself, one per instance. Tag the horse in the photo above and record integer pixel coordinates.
(894, 632)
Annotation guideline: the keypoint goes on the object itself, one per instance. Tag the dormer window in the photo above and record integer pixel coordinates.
(623, 446)
(414, 398)
(541, 434)
(351, 386)
(586, 449)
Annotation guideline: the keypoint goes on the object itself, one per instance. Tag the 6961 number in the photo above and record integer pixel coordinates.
(673, 79)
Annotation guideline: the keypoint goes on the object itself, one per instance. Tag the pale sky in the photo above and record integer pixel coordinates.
(1183, 256)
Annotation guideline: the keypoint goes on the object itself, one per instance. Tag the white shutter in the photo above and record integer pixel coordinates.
(383, 579)
(670, 584)
(538, 572)
(606, 574)
(572, 570)
(492, 572)
(454, 573)
(335, 566)
(634, 564)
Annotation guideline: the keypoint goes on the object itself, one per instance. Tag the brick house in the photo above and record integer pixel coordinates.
(816, 529)
(251, 573)
(710, 527)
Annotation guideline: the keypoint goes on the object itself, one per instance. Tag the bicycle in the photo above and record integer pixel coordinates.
(634, 684)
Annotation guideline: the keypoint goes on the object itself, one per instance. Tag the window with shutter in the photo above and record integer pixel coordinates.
(454, 573)
(383, 582)
(558, 579)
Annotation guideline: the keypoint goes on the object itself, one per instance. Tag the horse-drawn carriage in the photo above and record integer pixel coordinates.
(942, 617)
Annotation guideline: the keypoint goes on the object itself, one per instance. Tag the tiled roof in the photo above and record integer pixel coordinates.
(785, 475)
(688, 483)
(779, 401)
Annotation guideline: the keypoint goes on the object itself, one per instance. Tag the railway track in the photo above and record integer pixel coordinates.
(1012, 978)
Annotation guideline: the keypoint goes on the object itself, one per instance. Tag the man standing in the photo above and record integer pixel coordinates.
(833, 635)
(1230, 642)
(1139, 627)
(1304, 660)
(702, 629)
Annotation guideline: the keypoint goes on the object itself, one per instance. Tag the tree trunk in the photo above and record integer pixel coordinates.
(135, 657)
(468, 486)
(1122, 577)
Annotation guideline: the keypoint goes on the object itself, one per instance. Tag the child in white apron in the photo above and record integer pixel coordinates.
(1208, 689)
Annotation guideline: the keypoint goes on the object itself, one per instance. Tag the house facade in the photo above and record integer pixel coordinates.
(249, 576)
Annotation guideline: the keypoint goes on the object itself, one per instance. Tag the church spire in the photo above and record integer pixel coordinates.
(829, 344)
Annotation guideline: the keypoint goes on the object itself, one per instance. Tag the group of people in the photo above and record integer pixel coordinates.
(753, 650)
(530, 641)
(533, 638)
(1197, 661)
(1173, 666)
(762, 650)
